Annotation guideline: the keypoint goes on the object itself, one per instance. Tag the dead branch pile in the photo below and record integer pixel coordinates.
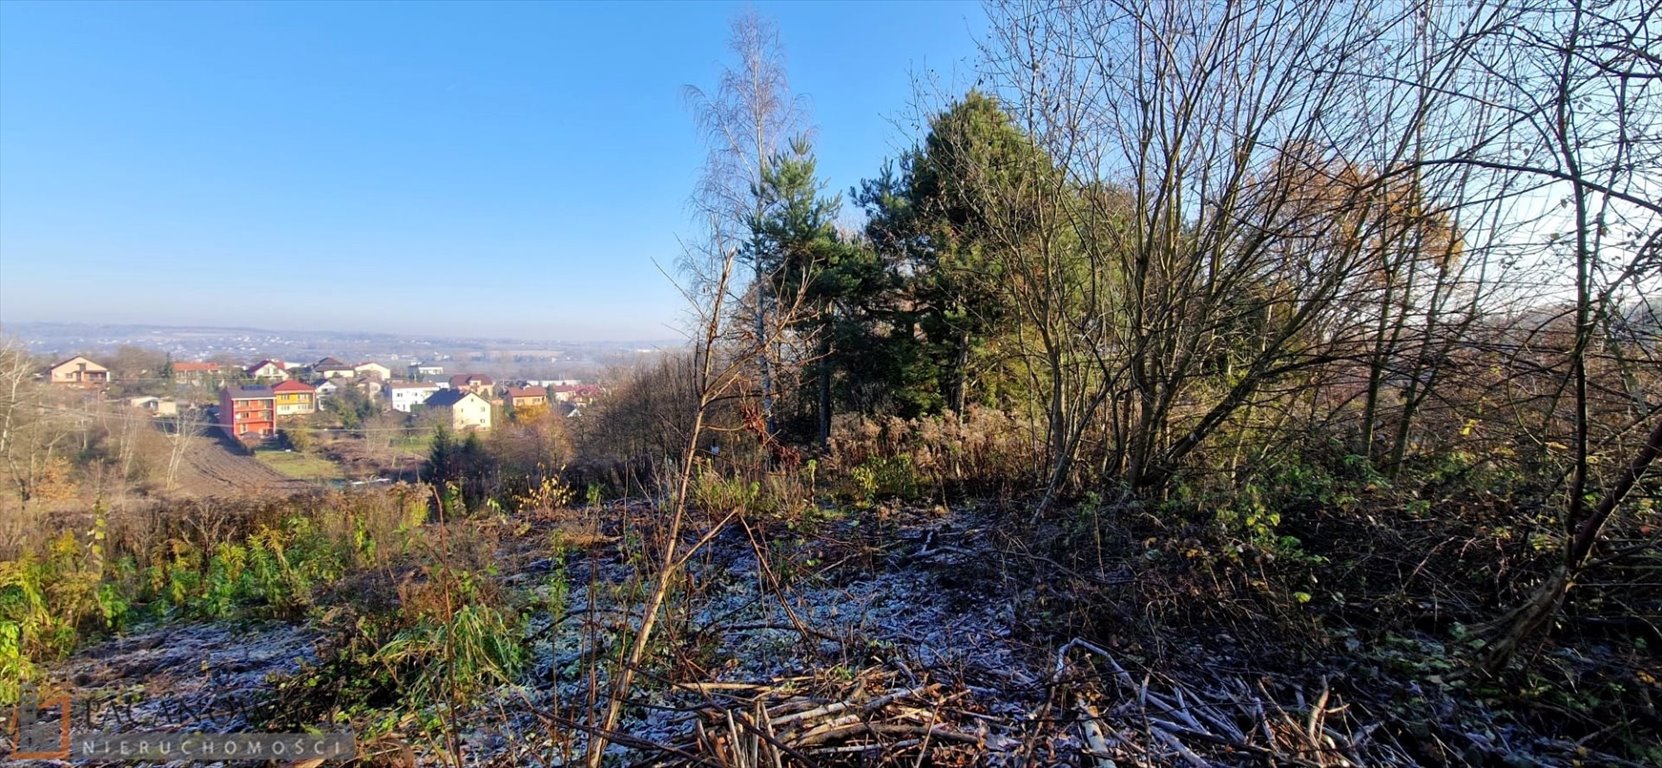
(1097, 714)
(1160, 721)
(868, 720)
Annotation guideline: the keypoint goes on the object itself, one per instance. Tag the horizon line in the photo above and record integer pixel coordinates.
(4, 328)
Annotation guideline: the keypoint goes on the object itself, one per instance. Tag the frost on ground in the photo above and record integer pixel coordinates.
(186, 678)
(910, 644)
(194, 677)
(846, 644)
(787, 626)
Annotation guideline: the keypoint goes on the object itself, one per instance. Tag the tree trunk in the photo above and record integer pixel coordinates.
(1528, 620)
(763, 348)
(960, 373)
(825, 391)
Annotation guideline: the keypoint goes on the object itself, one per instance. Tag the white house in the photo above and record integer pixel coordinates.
(372, 370)
(405, 396)
(547, 383)
(330, 368)
(425, 371)
(268, 370)
(158, 406)
(466, 410)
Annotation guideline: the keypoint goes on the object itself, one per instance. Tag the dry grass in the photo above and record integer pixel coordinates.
(300, 466)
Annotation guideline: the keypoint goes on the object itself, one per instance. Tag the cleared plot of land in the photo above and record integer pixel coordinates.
(300, 466)
(418, 443)
(212, 467)
(361, 459)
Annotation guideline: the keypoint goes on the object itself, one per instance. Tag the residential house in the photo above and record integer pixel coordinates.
(463, 409)
(405, 396)
(157, 406)
(330, 368)
(370, 370)
(198, 374)
(248, 412)
(269, 370)
(369, 387)
(424, 372)
(578, 394)
(295, 398)
(78, 371)
(526, 397)
(326, 389)
(477, 383)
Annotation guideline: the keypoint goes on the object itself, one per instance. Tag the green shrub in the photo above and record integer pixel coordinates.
(886, 477)
(453, 657)
(446, 637)
(717, 493)
(271, 561)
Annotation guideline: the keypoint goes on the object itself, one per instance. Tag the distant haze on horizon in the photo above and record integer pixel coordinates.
(455, 170)
(28, 330)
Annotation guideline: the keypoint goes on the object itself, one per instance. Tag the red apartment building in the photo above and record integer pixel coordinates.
(248, 413)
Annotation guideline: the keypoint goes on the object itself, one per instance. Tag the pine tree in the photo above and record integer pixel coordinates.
(811, 267)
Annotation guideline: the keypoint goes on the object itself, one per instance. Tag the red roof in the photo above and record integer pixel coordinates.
(515, 393)
(293, 386)
(263, 363)
(466, 379)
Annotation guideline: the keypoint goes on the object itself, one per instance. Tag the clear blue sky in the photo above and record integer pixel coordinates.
(443, 168)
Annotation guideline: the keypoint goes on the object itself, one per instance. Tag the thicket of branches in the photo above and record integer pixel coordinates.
(1170, 253)
(1294, 322)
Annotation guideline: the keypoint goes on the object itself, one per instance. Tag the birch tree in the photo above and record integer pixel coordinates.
(747, 120)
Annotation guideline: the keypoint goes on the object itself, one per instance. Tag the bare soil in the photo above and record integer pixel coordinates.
(361, 461)
(215, 465)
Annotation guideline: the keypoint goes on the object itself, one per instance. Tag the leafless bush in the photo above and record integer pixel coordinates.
(985, 450)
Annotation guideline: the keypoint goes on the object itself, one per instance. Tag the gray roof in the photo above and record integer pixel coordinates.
(249, 393)
(445, 398)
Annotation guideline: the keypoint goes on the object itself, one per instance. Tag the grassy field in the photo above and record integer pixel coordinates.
(300, 466)
(417, 443)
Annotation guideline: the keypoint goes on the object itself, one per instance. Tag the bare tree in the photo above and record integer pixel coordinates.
(714, 380)
(1576, 88)
(31, 426)
(1219, 166)
(187, 425)
(747, 121)
(16, 397)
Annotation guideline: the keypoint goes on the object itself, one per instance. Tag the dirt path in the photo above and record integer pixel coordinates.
(212, 467)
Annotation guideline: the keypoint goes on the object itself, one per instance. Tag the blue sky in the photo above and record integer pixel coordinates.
(442, 168)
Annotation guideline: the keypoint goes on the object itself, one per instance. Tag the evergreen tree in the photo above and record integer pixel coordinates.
(936, 223)
(441, 464)
(813, 270)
